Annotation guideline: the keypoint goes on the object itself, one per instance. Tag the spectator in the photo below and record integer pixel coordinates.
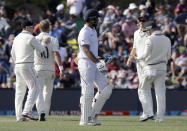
(75, 7)
(110, 14)
(171, 32)
(121, 81)
(67, 81)
(181, 7)
(21, 15)
(133, 11)
(116, 28)
(150, 7)
(4, 26)
(50, 16)
(74, 67)
(58, 32)
(160, 15)
(95, 4)
(8, 47)
(128, 28)
(4, 72)
(143, 11)
(16, 28)
(105, 26)
(113, 65)
(181, 63)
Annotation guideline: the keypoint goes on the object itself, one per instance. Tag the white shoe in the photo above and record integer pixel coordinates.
(96, 121)
(82, 124)
(159, 120)
(23, 119)
(92, 122)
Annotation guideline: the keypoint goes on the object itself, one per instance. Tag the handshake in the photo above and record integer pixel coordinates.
(101, 64)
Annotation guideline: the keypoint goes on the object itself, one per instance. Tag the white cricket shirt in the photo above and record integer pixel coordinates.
(157, 50)
(139, 41)
(23, 48)
(46, 60)
(88, 36)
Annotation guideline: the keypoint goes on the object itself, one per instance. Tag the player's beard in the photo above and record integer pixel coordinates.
(94, 23)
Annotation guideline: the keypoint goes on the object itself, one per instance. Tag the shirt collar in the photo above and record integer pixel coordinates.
(86, 26)
(25, 31)
(157, 32)
(44, 33)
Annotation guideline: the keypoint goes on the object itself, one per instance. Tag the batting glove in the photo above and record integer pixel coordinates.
(101, 66)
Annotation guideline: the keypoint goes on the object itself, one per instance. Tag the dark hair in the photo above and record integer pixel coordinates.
(143, 18)
(154, 26)
(26, 23)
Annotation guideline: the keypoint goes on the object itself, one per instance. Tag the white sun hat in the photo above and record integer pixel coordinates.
(132, 6)
(141, 7)
(60, 7)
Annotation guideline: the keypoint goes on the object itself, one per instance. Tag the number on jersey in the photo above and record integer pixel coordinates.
(45, 54)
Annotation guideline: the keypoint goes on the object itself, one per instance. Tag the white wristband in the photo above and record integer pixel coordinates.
(61, 68)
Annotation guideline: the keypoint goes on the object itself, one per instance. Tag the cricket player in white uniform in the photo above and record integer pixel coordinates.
(156, 54)
(140, 37)
(45, 69)
(91, 72)
(23, 55)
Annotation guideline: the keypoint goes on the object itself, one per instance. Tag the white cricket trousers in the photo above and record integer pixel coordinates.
(46, 82)
(145, 96)
(25, 77)
(140, 73)
(90, 76)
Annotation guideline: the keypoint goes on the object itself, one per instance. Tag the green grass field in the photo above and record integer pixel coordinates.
(109, 123)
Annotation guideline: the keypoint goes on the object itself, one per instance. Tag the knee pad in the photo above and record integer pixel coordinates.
(100, 99)
(107, 91)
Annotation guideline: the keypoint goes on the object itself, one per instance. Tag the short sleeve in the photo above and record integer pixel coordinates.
(135, 37)
(84, 38)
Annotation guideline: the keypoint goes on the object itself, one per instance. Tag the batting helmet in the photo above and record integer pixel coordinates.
(91, 14)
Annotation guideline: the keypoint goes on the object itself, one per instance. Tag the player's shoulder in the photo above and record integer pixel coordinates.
(85, 30)
(137, 31)
(149, 39)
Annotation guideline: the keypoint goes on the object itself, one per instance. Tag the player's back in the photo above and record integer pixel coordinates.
(24, 51)
(45, 60)
(161, 49)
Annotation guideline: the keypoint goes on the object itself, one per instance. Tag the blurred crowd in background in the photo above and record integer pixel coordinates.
(115, 32)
